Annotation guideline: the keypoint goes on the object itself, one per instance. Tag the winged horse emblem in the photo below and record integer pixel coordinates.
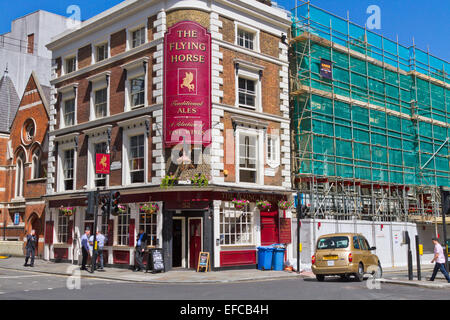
(187, 81)
(103, 162)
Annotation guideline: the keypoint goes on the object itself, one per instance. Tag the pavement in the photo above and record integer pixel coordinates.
(397, 275)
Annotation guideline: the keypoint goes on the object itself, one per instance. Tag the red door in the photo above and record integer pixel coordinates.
(269, 228)
(195, 241)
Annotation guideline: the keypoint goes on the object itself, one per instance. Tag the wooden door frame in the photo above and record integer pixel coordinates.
(189, 238)
(183, 241)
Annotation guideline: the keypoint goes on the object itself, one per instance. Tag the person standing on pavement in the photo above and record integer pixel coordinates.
(31, 248)
(85, 248)
(100, 244)
(141, 244)
(439, 258)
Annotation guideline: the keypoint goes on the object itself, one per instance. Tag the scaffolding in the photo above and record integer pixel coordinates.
(372, 142)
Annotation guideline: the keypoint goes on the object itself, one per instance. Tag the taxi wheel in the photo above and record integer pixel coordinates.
(320, 277)
(359, 276)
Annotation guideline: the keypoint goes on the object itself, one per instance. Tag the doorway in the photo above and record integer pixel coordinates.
(195, 241)
(269, 228)
(178, 243)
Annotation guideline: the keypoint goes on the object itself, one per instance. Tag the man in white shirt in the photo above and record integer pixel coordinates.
(439, 258)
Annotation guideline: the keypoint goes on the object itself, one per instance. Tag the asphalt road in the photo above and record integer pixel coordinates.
(17, 285)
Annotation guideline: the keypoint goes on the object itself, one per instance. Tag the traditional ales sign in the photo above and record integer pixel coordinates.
(187, 84)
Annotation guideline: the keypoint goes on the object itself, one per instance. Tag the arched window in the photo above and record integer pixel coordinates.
(37, 169)
(19, 177)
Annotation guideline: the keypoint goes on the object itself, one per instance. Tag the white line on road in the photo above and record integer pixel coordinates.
(17, 277)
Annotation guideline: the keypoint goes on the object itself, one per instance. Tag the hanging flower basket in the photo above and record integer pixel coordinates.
(199, 180)
(284, 205)
(264, 205)
(149, 208)
(67, 211)
(122, 209)
(168, 181)
(240, 204)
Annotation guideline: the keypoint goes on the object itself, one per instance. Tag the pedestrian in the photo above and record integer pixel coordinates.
(439, 258)
(31, 248)
(100, 244)
(85, 248)
(141, 244)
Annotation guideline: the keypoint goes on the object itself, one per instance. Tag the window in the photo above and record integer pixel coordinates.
(70, 65)
(236, 226)
(104, 224)
(100, 103)
(137, 92)
(100, 179)
(37, 168)
(149, 222)
(245, 39)
(30, 46)
(68, 167)
(138, 37)
(273, 150)
(123, 225)
(19, 177)
(247, 93)
(355, 242)
(136, 158)
(69, 112)
(101, 52)
(364, 243)
(333, 243)
(63, 228)
(247, 158)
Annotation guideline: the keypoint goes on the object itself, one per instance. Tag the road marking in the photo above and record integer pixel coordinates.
(17, 277)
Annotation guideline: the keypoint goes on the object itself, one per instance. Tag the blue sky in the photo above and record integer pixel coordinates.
(426, 21)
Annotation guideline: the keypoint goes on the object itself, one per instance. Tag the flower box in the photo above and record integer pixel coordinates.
(240, 204)
(67, 211)
(284, 205)
(149, 208)
(264, 205)
(199, 180)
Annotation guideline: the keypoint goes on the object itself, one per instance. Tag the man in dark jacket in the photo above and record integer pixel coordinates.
(31, 248)
(141, 244)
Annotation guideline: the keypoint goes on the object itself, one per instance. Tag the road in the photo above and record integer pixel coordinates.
(17, 285)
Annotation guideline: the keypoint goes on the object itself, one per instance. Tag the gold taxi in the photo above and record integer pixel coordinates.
(344, 254)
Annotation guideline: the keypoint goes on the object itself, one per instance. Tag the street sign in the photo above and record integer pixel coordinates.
(102, 163)
(16, 219)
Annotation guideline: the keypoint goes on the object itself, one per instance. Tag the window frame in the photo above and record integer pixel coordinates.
(96, 46)
(61, 236)
(64, 145)
(250, 73)
(228, 208)
(248, 29)
(119, 236)
(259, 166)
(273, 161)
(149, 226)
(19, 176)
(65, 64)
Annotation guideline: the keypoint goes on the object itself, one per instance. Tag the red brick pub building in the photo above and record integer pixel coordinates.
(172, 91)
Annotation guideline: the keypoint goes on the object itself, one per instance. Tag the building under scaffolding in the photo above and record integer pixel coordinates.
(371, 133)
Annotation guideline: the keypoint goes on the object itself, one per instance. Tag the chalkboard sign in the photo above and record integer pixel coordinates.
(203, 261)
(155, 261)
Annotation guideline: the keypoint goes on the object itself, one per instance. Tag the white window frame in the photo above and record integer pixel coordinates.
(20, 178)
(259, 134)
(148, 227)
(135, 69)
(132, 29)
(133, 127)
(93, 140)
(227, 208)
(249, 73)
(36, 161)
(118, 236)
(65, 60)
(59, 226)
(62, 147)
(256, 36)
(273, 161)
(95, 47)
(99, 82)
(68, 93)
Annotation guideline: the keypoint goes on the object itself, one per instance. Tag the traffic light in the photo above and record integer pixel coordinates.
(115, 198)
(90, 203)
(105, 203)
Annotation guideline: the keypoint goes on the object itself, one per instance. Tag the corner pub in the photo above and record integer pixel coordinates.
(133, 82)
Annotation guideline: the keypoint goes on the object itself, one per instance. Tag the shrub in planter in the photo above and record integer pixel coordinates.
(168, 181)
(199, 180)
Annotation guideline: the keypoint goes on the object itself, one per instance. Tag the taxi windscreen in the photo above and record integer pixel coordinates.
(338, 242)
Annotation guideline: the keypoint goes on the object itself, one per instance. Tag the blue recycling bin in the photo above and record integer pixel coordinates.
(265, 258)
(278, 258)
